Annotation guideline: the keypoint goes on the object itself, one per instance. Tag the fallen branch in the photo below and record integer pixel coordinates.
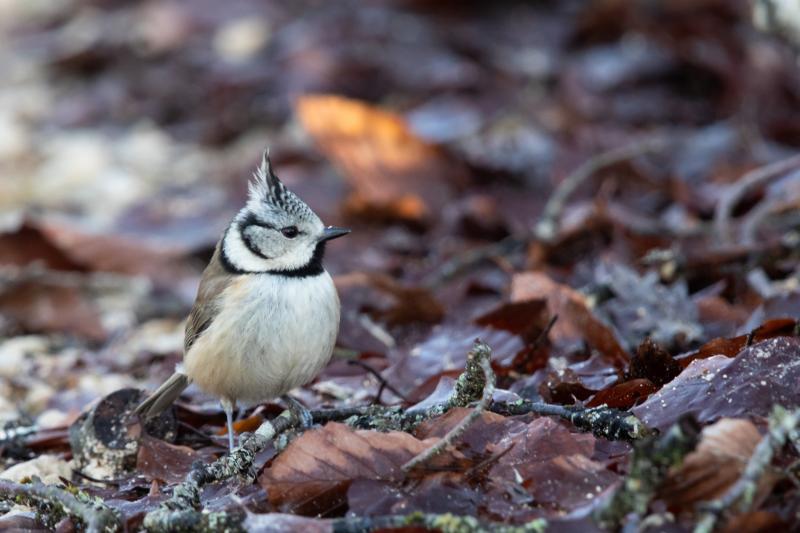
(54, 503)
(783, 427)
(446, 523)
(182, 511)
(733, 195)
(483, 354)
(602, 421)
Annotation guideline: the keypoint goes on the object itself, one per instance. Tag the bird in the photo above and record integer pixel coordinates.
(266, 315)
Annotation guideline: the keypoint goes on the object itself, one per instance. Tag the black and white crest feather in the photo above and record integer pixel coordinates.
(266, 188)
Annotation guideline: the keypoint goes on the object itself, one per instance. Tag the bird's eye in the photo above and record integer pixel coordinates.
(290, 232)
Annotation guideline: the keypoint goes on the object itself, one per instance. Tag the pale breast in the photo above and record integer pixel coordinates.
(272, 334)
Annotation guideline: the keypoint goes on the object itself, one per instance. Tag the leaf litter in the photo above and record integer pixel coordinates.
(439, 135)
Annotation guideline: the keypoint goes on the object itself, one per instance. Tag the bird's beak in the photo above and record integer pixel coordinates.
(332, 232)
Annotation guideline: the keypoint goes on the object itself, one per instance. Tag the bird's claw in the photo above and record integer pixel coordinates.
(300, 412)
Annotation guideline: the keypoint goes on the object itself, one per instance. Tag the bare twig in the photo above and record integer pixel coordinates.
(783, 427)
(383, 383)
(455, 266)
(732, 196)
(547, 228)
(54, 503)
(451, 436)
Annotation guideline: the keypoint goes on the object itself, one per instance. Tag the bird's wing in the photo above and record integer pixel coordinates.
(215, 279)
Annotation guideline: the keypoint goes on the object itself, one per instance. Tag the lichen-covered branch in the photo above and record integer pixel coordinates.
(481, 357)
(446, 523)
(53, 503)
(182, 511)
(783, 427)
(652, 459)
(604, 422)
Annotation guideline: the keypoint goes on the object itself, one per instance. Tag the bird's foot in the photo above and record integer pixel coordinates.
(303, 415)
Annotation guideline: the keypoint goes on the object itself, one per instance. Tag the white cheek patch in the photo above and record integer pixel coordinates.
(240, 255)
(243, 258)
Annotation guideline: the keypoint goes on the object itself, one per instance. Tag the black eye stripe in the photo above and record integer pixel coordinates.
(252, 220)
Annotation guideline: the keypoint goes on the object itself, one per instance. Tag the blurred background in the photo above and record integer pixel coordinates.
(128, 131)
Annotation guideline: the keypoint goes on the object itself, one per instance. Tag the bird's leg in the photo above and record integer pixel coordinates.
(298, 410)
(228, 406)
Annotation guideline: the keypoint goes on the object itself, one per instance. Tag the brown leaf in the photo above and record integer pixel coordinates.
(394, 174)
(654, 363)
(714, 466)
(312, 475)
(749, 384)
(729, 347)
(44, 305)
(551, 464)
(527, 319)
(163, 461)
(624, 395)
(575, 322)
(27, 244)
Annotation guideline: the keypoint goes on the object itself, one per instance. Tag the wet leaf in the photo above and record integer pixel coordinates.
(312, 475)
(749, 384)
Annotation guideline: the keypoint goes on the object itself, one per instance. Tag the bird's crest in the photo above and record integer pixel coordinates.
(265, 185)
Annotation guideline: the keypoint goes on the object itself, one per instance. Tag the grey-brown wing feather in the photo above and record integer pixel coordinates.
(215, 279)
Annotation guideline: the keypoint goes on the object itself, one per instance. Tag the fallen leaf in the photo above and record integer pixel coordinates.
(714, 466)
(654, 363)
(312, 475)
(576, 322)
(45, 304)
(729, 347)
(161, 460)
(624, 395)
(747, 385)
(394, 174)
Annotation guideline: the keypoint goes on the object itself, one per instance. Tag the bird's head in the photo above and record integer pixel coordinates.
(275, 231)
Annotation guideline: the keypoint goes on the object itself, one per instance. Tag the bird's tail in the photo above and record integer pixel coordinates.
(162, 398)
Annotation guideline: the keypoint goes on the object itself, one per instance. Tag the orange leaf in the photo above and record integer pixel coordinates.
(394, 174)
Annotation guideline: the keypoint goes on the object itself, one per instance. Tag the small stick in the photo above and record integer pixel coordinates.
(732, 196)
(461, 427)
(547, 229)
(54, 503)
(384, 384)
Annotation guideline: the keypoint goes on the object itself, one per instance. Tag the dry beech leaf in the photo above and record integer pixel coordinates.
(312, 475)
(394, 174)
(161, 460)
(714, 466)
(575, 322)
